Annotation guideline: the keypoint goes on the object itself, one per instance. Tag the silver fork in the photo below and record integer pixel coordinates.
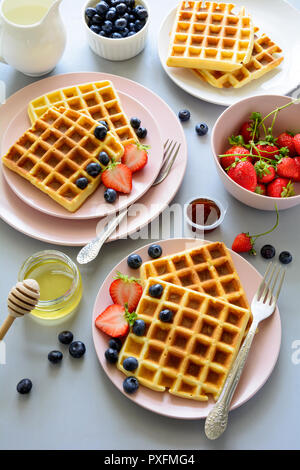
(90, 251)
(263, 305)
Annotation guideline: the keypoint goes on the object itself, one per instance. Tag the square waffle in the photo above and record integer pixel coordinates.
(264, 58)
(55, 151)
(207, 35)
(208, 268)
(191, 355)
(98, 100)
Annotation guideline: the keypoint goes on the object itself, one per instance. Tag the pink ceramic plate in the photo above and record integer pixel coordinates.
(79, 232)
(260, 363)
(95, 206)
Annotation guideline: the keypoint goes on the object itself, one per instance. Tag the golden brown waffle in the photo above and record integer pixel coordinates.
(264, 59)
(191, 355)
(55, 152)
(207, 35)
(208, 268)
(98, 100)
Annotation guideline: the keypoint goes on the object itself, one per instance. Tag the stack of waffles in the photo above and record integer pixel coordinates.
(56, 150)
(220, 47)
(190, 356)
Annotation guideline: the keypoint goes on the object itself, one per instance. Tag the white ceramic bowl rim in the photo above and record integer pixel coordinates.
(227, 110)
(135, 36)
(218, 222)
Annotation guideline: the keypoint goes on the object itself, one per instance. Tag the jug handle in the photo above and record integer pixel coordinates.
(1, 41)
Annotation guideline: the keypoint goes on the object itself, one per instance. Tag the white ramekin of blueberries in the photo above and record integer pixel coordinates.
(116, 29)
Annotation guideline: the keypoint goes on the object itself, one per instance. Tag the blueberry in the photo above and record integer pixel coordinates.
(134, 261)
(107, 27)
(130, 364)
(65, 337)
(114, 3)
(100, 132)
(111, 14)
(131, 27)
(96, 29)
(166, 315)
(103, 33)
(115, 343)
(130, 3)
(120, 24)
(130, 384)
(24, 386)
(268, 251)
(102, 8)
(97, 20)
(142, 13)
(184, 115)
(103, 158)
(111, 355)
(104, 123)
(55, 357)
(93, 169)
(126, 16)
(110, 195)
(155, 251)
(90, 12)
(116, 35)
(125, 33)
(142, 132)
(201, 129)
(121, 9)
(132, 18)
(82, 183)
(139, 327)
(77, 349)
(156, 291)
(138, 25)
(285, 257)
(135, 122)
(131, 33)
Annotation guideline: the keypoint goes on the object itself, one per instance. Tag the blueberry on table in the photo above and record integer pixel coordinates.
(90, 12)
(285, 257)
(184, 115)
(268, 251)
(135, 122)
(141, 132)
(77, 349)
(134, 261)
(115, 343)
(103, 158)
(82, 183)
(130, 364)
(166, 315)
(110, 195)
(24, 386)
(100, 132)
(55, 357)
(155, 251)
(156, 291)
(93, 169)
(201, 128)
(111, 355)
(130, 384)
(65, 337)
(139, 327)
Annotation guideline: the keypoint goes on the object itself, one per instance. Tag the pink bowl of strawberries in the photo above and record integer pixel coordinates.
(256, 147)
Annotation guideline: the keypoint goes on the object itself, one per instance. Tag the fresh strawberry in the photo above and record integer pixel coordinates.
(280, 187)
(261, 189)
(266, 150)
(135, 156)
(244, 174)
(287, 168)
(246, 131)
(113, 321)
(297, 162)
(297, 143)
(235, 152)
(265, 172)
(286, 140)
(118, 176)
(126, 290)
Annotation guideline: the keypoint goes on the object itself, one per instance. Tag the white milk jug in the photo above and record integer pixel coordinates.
(32, 35)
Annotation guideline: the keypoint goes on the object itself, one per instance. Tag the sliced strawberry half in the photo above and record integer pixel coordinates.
(118, 176)
(135, 156)
(113, 321)
(126, 290)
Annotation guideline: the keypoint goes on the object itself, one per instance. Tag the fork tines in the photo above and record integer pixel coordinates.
(273, 279)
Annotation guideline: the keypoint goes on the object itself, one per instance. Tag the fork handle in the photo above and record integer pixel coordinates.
(216, 421)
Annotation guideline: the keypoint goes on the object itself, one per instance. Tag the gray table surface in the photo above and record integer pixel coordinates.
(75, 406)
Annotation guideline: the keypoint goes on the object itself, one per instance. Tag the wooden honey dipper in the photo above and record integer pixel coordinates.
(21, 300)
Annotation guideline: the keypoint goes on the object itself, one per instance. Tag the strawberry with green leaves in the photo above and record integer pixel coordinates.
(281, 187)
(265, 172)
(286, 139)
(261, 189)
(244, 174)
(235, 153)
(115, 320)
(287, 168)
(249, 129)
(126, 290)
(135, 156)
(117, 176)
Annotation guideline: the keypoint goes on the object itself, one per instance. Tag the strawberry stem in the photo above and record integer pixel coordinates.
(254, 237)
(130, 316)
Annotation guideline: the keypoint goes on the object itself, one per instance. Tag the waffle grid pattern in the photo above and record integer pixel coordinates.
(208, 35)
(264, 58)
(99, 100)
(55, 152)
(192, 355)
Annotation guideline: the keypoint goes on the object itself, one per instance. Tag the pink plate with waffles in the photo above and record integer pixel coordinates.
(260, 363)
(95, 206)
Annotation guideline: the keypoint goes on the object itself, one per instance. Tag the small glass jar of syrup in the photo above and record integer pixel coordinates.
(204, 214)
